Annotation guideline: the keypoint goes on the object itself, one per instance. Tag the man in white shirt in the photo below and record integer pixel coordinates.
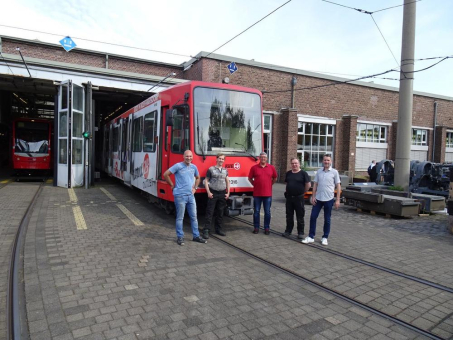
(326, 181)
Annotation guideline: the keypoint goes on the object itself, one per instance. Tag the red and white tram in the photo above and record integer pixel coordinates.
(31, 151)
(207, 118)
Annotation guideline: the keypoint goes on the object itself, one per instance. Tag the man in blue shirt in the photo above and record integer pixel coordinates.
(187, 179)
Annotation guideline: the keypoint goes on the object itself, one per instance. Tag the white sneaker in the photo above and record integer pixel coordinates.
(324, 241)
(308, 239)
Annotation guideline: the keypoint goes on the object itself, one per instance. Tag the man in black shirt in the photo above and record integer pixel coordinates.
(297, 183)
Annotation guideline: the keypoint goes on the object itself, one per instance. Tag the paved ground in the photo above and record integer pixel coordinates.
(103, 264)
(14, 201)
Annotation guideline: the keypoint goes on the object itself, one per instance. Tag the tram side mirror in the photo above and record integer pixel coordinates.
(169, 117)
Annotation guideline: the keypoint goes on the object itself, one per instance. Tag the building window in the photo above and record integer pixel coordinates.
(371, 133)
(314, 140)
(419, 137)
(449, 140)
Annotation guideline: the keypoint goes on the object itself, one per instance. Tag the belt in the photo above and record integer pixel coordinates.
(290, 196)
(218, 191)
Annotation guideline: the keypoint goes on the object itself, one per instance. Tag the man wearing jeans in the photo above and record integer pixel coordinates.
(262, 176)
(326, 181)
(187, 180)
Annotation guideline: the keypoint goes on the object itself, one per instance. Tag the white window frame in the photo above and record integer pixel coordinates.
(423, 140)
(301, 132)
(269, 132)
(372, 140)
(449, 140)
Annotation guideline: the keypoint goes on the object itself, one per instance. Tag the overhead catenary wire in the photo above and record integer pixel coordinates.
(330, 84)
(101, 42)
(371, 15)
(368, 12)
(7, 63)
(429, 58)
(237, 35)
(382, 35)
(356, 79)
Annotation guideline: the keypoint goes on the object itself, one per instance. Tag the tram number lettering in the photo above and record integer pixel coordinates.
(233, 181)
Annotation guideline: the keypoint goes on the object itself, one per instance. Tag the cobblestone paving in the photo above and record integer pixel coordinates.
(117, 280)
(420, 246)
(14, 201)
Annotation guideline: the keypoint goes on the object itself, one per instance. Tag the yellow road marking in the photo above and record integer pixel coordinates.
(5, 181)
(130, 215)
(79, 219)
(109, 195)
(72, 195)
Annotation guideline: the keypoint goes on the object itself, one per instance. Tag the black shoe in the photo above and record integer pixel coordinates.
(256, 231)
(199, 240)
(206, 234)
(220, 232)
(267, 231)
(180, 241)
(286, 234)
(300, 236)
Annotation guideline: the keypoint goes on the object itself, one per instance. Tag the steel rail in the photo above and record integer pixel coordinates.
(17, 327)
(366, 263)
(330, 291)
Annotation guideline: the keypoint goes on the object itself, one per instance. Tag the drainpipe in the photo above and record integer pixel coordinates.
(434, 130)
(293, 84)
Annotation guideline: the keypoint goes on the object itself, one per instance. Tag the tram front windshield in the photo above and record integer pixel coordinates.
(32, 137)
(227, 121)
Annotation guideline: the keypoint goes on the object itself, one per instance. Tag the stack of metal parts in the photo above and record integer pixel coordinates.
(378, 198)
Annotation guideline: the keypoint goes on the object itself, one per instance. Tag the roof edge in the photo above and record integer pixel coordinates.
(221, 57)
(82, 50)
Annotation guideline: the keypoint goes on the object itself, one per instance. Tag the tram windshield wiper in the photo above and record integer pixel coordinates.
(198, 138)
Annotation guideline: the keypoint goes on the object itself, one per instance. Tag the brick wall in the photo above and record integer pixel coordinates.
(441, 142)
(142, 68)
(87, 59)
(53, 54)
(370, 104)
(391, 153)
(287, 146)
(347, 153)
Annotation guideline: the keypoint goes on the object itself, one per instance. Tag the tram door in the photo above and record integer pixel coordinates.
(70, 124)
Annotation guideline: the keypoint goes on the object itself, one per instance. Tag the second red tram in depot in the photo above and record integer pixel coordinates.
(31, 148)
(206, 118)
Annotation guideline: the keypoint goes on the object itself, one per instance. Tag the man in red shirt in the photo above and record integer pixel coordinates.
(262, 176)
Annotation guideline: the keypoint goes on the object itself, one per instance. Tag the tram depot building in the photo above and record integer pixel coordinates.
(354, 122)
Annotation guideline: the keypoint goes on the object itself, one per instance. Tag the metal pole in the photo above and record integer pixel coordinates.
(86, 163)
(403, 137)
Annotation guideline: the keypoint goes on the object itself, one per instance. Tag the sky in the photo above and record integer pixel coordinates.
(311, 35)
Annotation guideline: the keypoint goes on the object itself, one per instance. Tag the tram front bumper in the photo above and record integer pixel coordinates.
(239, 205)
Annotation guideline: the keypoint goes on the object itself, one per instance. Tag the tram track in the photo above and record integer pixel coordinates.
(363, 262)
(17, 327)
(425, 332)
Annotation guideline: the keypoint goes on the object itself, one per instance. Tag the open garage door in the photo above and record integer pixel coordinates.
(70, 124)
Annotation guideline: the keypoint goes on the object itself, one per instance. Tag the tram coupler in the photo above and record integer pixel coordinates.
(239, 205)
